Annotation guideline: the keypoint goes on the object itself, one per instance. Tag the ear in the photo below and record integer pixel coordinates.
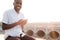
(13, 3)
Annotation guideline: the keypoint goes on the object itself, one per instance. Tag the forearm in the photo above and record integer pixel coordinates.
(22, 26)
(8, 26)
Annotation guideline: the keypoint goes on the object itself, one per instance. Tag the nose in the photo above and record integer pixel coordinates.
(18, 4)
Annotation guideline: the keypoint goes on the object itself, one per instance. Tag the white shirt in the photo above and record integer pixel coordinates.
(10, 17)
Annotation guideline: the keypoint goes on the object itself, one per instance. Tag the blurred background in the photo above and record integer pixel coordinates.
(35, 10)
(43, 17)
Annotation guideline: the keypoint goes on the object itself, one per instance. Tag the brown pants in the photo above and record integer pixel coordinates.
(12, 38)
(20, 38)
(27, 38)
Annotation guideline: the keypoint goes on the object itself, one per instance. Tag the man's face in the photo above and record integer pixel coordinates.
(17, 4)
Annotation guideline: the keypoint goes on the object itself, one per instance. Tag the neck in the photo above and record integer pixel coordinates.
(16, 10)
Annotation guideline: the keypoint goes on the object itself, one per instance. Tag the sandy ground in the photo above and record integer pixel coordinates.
(2, 37)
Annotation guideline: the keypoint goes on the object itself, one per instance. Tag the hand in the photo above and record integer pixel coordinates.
(19, 22)
(24, 21)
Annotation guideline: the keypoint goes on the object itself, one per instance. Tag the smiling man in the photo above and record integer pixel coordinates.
(13, 22)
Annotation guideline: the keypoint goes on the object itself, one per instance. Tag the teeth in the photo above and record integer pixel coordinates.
(18, 7)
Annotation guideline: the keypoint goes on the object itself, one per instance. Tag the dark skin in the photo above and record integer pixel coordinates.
(17, 6)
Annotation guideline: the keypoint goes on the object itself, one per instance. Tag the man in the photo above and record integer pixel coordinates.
(13, 22)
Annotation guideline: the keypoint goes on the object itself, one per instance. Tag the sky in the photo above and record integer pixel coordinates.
(35, 10)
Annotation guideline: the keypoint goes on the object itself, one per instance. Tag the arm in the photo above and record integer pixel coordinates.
(22, 24)
(8, 26)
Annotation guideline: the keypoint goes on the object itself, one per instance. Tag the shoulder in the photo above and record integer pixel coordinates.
(7, 12)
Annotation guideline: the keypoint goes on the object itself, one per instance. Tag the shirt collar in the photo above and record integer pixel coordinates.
(16, 12)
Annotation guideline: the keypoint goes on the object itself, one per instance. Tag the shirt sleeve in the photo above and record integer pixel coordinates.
(5, 18)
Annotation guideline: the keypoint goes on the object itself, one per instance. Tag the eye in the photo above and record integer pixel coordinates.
(18, 3)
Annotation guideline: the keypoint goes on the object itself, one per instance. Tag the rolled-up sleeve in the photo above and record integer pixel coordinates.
(5, 18)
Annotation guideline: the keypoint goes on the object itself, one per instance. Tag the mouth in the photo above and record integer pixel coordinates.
(18, 7)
